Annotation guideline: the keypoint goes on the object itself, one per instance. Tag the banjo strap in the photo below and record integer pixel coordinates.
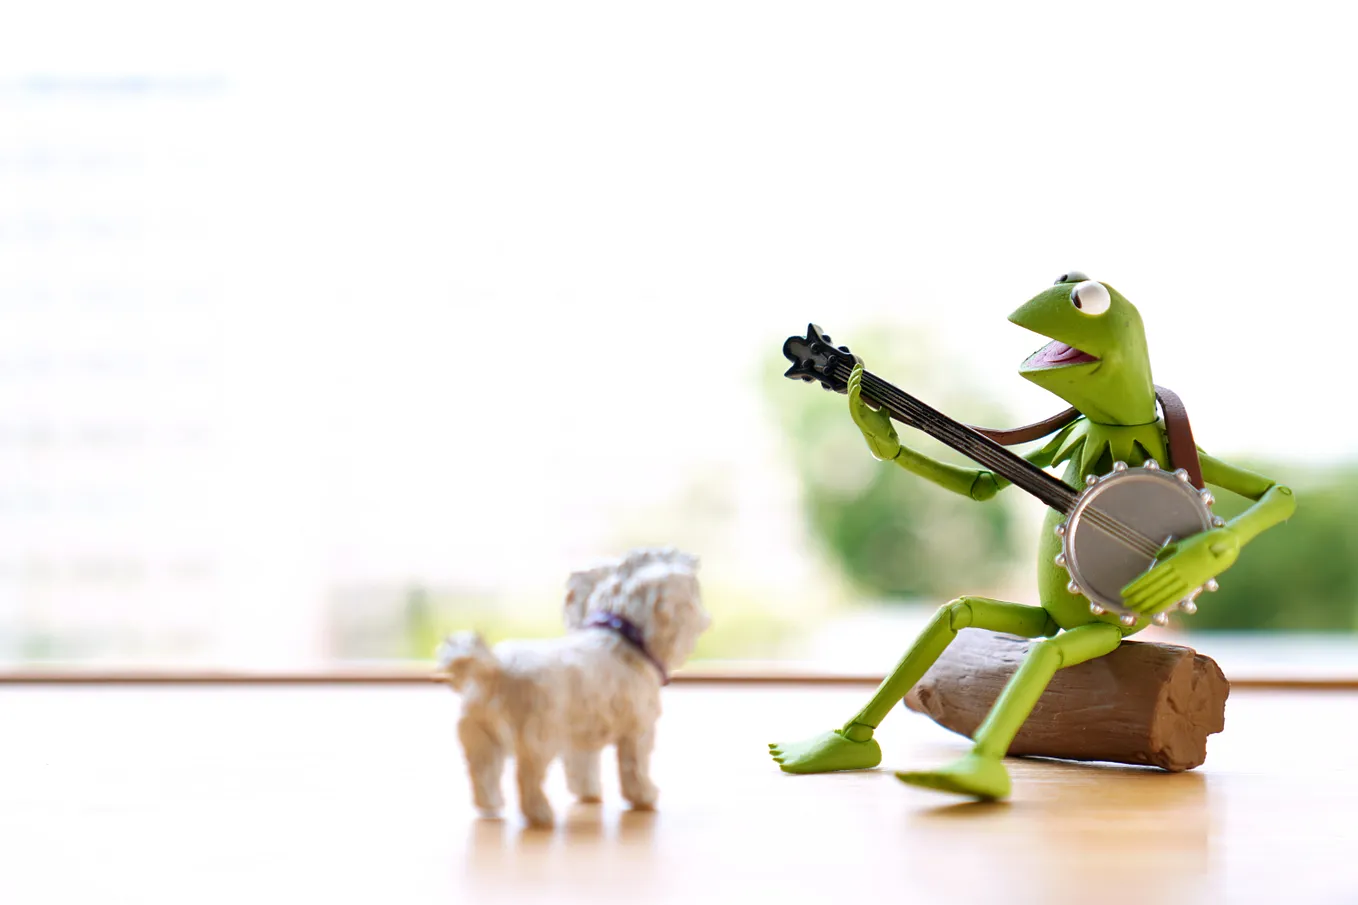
(1028, 432)
(1183, 452)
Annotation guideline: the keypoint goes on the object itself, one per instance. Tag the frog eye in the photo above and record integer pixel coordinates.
(1073, 277)
(1091, 297)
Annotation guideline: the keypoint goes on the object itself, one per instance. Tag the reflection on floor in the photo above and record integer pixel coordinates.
(359, 795)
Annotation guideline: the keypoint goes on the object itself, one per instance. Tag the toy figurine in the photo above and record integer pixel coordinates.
(631, 623)
(1137, 541)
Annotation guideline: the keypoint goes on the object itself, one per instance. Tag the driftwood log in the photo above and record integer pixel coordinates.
(1145, 703)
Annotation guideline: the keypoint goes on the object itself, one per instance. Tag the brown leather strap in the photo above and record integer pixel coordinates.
(1183, 452)
(1016, 435)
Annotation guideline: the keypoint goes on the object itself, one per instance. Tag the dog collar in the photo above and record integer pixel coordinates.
(627, 630)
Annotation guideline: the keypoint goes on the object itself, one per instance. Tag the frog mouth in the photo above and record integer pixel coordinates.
(1057, 354)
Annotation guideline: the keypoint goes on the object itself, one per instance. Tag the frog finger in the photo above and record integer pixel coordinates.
(1158, 579)
(1156, 600)
(1149, 581)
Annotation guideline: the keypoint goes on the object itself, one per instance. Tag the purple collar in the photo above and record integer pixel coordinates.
(627, 630)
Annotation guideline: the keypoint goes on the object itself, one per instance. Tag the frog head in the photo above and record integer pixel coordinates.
(1097, 359)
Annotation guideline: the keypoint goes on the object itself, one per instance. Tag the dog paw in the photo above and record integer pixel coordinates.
(539, 815)
(642, 799)
(488, 802)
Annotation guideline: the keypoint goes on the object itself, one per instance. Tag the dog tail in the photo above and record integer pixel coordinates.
(463, 657)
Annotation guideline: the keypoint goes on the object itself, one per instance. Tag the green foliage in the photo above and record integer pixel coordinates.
(1298, 576)
(894, 535)
(898, 536)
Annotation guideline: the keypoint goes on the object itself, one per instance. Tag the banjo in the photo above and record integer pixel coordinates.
(1114, 527)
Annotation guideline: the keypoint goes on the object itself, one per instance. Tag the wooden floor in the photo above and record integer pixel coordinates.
(357, 795)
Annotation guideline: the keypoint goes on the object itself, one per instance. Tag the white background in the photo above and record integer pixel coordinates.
(488, 278)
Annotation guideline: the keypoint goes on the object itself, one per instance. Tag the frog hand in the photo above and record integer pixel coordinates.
(874, 423)
(1182, 567)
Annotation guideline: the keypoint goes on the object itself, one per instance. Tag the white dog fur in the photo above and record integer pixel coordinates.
(570, 697)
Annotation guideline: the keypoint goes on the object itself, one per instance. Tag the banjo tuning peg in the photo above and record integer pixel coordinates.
(1160, 619)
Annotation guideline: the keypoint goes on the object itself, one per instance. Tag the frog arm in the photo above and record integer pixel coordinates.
(1273, 503)
(1192, 562)
(977, 483)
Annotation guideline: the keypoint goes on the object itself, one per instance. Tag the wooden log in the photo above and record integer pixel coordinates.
(1145, 703)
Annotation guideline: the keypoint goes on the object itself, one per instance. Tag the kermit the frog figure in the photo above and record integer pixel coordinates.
(1097, 361)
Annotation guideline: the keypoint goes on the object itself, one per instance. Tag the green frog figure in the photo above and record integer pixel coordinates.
(1098, 362)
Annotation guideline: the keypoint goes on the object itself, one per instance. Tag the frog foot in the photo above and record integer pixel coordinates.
(975, 775)
(826, 752)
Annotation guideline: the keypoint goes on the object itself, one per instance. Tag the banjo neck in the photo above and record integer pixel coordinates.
(814, 358)
(975, 446)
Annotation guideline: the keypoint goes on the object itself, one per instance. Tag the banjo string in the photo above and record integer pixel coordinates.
(1127, 537)
(982, 452)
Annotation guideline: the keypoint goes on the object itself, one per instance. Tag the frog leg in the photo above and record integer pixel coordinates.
(852, 746)
(981, 773)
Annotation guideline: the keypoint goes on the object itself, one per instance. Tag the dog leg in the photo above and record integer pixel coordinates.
(532, 765)
(582, 775)
(485, 763)
(634, 770)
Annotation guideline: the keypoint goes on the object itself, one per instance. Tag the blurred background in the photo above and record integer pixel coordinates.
(324, 331)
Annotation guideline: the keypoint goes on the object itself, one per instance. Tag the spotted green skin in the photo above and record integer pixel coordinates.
(1115, 396)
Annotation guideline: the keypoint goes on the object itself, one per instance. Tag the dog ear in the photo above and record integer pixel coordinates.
(577, 595)
(579, 587)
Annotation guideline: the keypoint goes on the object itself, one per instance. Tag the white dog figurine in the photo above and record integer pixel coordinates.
(631, 622)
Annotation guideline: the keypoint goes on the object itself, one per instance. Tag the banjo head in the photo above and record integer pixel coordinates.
(1119, 523)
